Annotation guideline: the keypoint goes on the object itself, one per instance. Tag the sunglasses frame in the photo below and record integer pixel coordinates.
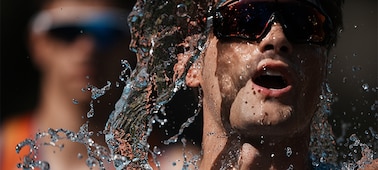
(105, 25)
(276, 16)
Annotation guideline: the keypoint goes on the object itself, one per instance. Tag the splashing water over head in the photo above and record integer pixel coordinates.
(164, 33)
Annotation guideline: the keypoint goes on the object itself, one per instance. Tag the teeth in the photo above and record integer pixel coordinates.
(271, 73)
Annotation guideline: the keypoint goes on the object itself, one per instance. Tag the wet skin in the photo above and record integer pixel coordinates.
(252, 90)
(260, 108)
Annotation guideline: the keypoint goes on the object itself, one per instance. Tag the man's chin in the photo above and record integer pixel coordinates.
(270, 122)
(266, 131)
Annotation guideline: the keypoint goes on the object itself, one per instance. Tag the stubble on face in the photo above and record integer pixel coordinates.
(245, 110)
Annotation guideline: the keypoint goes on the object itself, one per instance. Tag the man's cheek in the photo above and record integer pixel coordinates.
(226, 85)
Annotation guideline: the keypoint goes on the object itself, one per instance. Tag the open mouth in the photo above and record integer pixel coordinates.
(271, 80)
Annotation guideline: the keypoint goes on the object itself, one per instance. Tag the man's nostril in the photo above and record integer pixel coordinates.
(268, 47)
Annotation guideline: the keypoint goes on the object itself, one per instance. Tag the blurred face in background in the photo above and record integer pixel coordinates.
(79, 43)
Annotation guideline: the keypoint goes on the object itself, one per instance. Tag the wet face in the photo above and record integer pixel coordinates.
(270, 87)
(273, 90)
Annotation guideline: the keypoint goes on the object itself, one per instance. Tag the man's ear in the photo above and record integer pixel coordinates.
(193, 77)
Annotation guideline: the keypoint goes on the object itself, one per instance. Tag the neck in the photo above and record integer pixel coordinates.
(275, 153)
(222, 149)
(56, 110)
(257, 152)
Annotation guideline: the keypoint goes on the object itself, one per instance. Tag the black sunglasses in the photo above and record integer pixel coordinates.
(103, 35)
(302, 22)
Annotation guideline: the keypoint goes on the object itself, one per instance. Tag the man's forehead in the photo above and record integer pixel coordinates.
(256, 0)
(226, 1)
(313, 2)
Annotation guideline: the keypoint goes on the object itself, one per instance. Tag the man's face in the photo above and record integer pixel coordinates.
(263, 88)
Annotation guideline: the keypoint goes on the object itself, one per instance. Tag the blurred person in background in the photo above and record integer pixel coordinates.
(77, 45)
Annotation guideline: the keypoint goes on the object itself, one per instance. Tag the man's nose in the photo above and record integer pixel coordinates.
(86, 44)
(275, 40)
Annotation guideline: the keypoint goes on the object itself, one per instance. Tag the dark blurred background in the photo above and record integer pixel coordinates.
(354, 75)
(353, 78)
(19, 78)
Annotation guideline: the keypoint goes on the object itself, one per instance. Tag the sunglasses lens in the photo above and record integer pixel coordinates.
(250, 20)
(103, 35)
(304, 24)
(66, 33)
(242, 20)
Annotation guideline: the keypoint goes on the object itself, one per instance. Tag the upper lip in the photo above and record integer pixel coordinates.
(270, 71)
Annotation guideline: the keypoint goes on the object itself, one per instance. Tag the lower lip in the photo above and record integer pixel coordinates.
(271, 92)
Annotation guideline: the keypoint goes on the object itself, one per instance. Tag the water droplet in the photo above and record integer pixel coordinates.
(374, 89)
(182, 10)
(91, 162)
(90, 113)
(96, 92)
(264, 68)
(365, 87)
(157, 150)
(289, 152)
(344, 79)
(374, 106)
(74, 101)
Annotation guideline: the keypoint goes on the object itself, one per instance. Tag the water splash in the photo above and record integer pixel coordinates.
(322, 142)
(29, 160)
(163, 30)
(186, 124)
(97, 154)
(360, 154)
(96, 92)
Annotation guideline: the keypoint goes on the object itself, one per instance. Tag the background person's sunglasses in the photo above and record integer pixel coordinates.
(103, 33)
(301, 22)
(105, 26)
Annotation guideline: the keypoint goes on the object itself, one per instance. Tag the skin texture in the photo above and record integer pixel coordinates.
(255, 123)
